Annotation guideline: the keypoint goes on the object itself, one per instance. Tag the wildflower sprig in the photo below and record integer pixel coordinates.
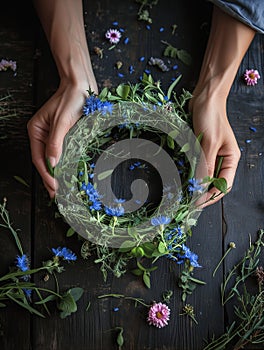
(249, 302)
(16, 285)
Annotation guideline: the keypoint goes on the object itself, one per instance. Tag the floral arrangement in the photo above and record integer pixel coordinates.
(150, 231)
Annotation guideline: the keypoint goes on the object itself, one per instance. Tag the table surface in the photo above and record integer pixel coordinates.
(236, 217)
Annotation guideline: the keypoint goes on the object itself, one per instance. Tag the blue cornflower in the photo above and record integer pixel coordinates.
(160, 220)
(111, 211)
(96, 205)
(64, 253)
(22, 262)
(94, 103)
(126, 40)
(80, 173)
(120, 200)
(92, 165)
(186, 253)
(106, 107)
(27, 293)
(194, 185)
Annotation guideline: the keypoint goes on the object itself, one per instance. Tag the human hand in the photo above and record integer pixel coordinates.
(218, 140)
(48, 127)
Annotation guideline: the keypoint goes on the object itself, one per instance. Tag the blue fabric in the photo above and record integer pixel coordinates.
(250, 12)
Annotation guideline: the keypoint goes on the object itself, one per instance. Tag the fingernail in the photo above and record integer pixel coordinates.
(52, 161)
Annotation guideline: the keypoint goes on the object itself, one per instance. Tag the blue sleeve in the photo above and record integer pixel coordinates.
(250, 12)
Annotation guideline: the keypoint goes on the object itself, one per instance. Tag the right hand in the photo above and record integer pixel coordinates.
(48, 127)
(210, 119)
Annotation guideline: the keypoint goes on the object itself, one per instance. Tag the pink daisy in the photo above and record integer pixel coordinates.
(158, 315)
(113, 35)
(251, 76)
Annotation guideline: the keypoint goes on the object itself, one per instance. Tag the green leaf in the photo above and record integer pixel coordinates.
(105, 174)
(26, 306)
(185, 148)
(22, 181)
(123, 91)
(149, 248)
(2, 305)
(48, 298)
(170, 142)
(185, 57)
(172, 86)
(161, 248)
(76, 293)
(146, 279)
(220, 184)
(70, 232)
(126, 246)
(137, 272)
(67, 305)
(103, 94)
(50, 168)
(120, 339)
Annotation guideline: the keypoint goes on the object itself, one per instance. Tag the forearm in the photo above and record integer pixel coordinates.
(62, 21)
(228, 42)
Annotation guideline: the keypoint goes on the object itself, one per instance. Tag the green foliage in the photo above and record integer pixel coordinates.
(188, 283)
(173, 52)
(248, 304)
(67, 303)
(15, 283)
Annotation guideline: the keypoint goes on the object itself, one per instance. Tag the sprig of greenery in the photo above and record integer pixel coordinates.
(143, 12)
(173, 52)
(249, 306)
(15, 283)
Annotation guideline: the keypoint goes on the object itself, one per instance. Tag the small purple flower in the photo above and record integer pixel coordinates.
(251, 76)
(5, 64)
(158, 315)
(113, 35)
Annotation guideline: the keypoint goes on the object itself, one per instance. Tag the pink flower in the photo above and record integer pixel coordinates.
(113, 35)
(251, 76)
(158, 315)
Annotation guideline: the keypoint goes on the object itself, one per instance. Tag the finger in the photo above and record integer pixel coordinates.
(228, 171)
(38, 146)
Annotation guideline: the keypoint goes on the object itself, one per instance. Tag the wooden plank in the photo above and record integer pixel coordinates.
(16, 44)
(243, 207)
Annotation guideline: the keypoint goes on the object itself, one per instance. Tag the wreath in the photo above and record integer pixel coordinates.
(144, 136)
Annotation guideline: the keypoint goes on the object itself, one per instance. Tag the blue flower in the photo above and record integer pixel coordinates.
(194, 185)
(120, 200)
(94, 103)
(64, 253)
(96, 205)
(160, 220)
(22, 262)
(111, 211)
(27, 293)
(186, 253)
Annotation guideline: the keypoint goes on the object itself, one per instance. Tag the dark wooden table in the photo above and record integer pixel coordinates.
(237, 216)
